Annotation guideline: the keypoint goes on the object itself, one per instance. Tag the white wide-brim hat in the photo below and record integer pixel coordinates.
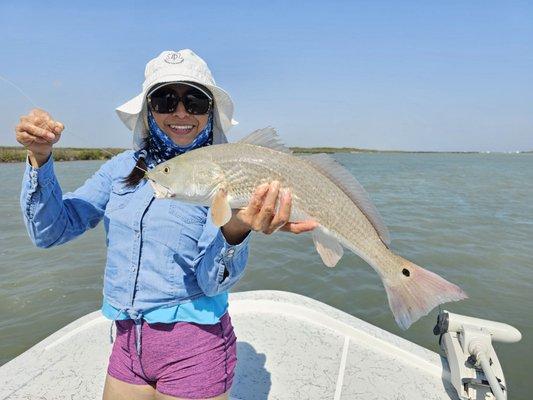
(177, 66)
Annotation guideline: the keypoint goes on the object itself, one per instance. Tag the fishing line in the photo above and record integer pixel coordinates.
(20, 90)
(70, 133)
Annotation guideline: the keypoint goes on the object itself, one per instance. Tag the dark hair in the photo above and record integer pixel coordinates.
(138, 171)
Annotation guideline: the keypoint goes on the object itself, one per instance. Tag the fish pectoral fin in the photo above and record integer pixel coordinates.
(328, 247)
(220, 208)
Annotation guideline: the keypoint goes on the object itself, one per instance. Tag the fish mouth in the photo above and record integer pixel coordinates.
(161, 191)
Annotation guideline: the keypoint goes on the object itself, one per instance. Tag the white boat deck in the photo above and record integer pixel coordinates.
(288, 347)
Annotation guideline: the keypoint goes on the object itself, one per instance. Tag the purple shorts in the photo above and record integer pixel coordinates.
(179, 359)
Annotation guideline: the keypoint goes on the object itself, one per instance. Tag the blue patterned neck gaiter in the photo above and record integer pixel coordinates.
(161, 148)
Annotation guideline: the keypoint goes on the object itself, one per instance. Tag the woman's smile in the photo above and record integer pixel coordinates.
(181, 132)
(181, 129)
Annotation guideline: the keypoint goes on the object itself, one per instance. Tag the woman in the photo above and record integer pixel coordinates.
(168, 267)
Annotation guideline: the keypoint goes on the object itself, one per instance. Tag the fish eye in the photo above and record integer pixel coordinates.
(166, 170)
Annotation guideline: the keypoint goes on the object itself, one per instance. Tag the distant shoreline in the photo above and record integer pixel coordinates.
(18, 154)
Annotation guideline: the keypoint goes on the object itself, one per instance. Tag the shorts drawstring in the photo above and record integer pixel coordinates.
(136, 316)
(137, 319)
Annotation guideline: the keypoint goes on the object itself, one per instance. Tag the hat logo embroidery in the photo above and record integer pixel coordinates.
(173, 58)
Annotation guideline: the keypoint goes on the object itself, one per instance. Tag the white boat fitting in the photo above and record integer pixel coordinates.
(288, 347)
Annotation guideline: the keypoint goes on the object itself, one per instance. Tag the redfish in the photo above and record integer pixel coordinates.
(225, 176)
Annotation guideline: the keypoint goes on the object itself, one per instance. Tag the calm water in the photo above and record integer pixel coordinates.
(467, 217)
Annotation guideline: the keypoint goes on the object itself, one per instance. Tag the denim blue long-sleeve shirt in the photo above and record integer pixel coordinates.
(166, 261)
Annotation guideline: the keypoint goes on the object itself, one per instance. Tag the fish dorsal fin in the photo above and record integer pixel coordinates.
(266, 137)
(352, 188)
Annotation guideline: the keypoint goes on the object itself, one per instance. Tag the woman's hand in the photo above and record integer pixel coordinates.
(260, 215)
(38, 132)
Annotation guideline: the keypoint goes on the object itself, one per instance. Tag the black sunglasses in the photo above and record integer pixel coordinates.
(165, 100)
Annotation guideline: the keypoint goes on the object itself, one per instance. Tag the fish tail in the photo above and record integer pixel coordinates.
(415, 291)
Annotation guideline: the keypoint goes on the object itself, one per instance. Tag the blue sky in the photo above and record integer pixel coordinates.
(453, 75)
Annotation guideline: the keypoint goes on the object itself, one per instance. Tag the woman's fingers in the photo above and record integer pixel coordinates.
(254, 206)
(45, 121)
(268, 209)
(248, 215)
(260, 210)
(299, 227)
(36, 131)
(59, 127)
(283, 214)
(38, 127)
(28, 140)
(261, 215)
